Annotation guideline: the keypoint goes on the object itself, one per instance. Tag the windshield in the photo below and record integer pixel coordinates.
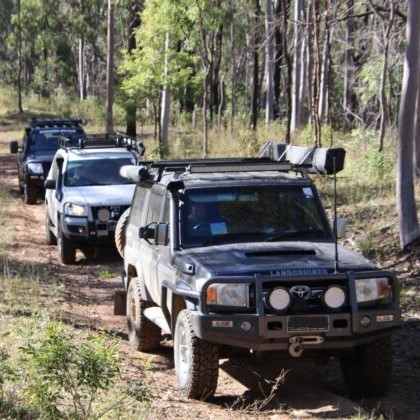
(243, 214)
(47, 139)
(83, 173)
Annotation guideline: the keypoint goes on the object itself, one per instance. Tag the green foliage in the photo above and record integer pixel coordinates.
(63, 371)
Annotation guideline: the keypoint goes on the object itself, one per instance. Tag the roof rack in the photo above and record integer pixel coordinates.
(318, 160)
(102, 141)
(152, 171)
(51, 121)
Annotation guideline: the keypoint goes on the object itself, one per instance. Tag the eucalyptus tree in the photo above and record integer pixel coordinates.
(410, 106)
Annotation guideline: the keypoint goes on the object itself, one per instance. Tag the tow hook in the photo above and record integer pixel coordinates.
(298, 343)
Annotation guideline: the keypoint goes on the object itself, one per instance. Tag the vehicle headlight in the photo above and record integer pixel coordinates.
(368, 290)
(72, 209)
(35, 168)
(228, 294)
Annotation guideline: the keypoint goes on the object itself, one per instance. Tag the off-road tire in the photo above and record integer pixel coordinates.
(143, 334)
(50, 238)
(367, 369)
(29, 194)
(66, 248)
(120, 231)
(196, 361)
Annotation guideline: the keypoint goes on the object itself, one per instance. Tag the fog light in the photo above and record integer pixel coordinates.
(81, 229)
(334, 297)
(246, 325)
(365, 321)
(384, 318)
(279, 299)
(104, 215)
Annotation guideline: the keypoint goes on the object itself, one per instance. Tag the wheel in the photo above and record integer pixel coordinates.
(49, 235)
(143, 334)
(196, 361)
(367, 369)
(120, 232)
(29, 194)
(66, 248)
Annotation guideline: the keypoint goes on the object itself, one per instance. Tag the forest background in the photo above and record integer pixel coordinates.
(214, 77)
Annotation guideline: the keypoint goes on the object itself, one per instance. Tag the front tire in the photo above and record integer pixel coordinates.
(66, 248)
(143, 334)
(196, 361)
(367, 369)
(50, 238)
(29, 194)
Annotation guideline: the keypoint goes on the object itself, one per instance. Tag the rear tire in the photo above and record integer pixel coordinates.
(49, 235)
(196, 361)
(367, 369)
(29, 194)
(66, 248)
(143, 334)
(120, 231)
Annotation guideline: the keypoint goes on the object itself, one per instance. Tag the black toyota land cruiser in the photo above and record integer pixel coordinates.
(239, 254)
(35, 154)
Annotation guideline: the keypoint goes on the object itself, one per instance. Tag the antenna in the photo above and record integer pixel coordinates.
(335, 220)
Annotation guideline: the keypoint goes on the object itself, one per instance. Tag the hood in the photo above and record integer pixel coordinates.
(101, 195)
(41, 157)
(283, 259)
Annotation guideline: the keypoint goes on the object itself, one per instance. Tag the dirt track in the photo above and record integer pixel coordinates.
(308, 390)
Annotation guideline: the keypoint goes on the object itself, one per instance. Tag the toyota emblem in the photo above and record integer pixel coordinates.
(303, 292)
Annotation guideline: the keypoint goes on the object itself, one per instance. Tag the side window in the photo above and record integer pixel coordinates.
(138, 204)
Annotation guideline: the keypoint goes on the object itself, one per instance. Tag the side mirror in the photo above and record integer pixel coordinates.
(14, 147)
(341, 227)
(50, 184)
(147, 232)
(161, 234)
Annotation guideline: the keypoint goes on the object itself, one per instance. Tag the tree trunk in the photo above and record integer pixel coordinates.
(19, 73)
(297, 68)
(109, 124)
(81, 72)
(269, 102)
(348, 103)
(131, 107)
(165, 107)
(288, 88)
(255, 68)
(406, 204)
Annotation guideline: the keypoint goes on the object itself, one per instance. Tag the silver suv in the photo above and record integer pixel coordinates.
(85, 194)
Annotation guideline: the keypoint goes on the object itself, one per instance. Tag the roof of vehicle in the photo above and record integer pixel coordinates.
(98, 153)
(55, 122)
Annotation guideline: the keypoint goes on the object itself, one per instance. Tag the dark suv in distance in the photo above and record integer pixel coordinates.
(35, 154)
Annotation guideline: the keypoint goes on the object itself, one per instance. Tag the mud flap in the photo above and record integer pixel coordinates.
(120, 301)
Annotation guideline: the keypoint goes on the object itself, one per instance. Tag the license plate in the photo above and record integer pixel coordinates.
(308, 323)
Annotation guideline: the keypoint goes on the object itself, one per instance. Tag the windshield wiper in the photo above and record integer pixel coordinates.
(233, 237)
(293, 233)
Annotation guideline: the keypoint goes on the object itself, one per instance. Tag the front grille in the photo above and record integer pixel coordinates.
(312, 302)
(46, 168)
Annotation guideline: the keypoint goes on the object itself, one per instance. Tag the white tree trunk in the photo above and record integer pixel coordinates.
(166, 101)
(109, 124)
(297, 67)
(406, 204)
(269, 103)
